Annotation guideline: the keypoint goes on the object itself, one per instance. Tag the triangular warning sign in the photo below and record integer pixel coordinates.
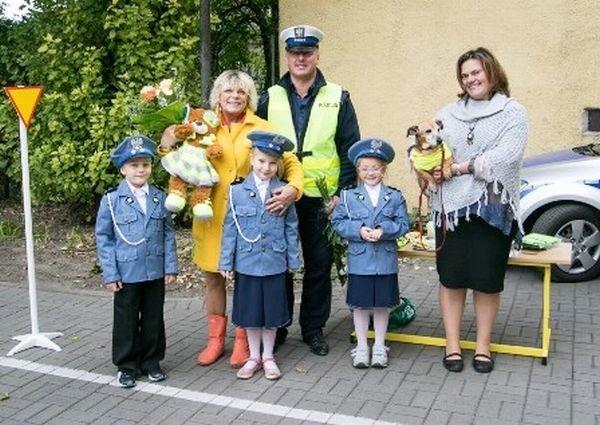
(25, 100)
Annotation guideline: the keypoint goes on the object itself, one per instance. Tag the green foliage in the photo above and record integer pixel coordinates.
(339, 245)
(10, 230)
(93, 57)
(413, 218)
(245, 36)
(78, 240)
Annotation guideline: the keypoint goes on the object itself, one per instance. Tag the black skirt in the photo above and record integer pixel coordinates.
(260, 301)
(473, 256)
(372, 291)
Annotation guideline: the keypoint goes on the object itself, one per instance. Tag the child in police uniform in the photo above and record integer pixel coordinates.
(371, 216)
(136, 247)
(260, 247)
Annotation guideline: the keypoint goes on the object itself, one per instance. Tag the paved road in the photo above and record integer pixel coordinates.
(77, 386)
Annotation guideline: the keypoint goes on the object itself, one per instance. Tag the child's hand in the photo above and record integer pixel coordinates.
(366, 233)
(227, 274)
(114, 286)
(170, 279)
(371, 235)
(376, 234)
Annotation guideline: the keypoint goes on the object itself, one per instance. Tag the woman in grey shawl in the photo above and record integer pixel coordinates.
(476, 210)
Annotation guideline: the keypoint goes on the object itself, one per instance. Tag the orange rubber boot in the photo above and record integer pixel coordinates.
(240, 349)
(216, 340)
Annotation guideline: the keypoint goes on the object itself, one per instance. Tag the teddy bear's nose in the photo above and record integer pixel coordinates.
(200, 128)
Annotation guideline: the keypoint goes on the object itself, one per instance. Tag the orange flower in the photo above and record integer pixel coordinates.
(149, 93)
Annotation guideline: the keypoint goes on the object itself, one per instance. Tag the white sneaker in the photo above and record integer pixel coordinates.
(379, 356)
(360, 358)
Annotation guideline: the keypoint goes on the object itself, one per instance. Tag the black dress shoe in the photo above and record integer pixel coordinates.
(125, 379)
(453, 365)
(483, 366)
(317, 345)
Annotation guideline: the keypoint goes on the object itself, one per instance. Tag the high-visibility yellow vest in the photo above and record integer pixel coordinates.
(319, 137)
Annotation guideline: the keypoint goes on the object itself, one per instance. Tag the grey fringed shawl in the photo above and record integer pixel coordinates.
(500, 133)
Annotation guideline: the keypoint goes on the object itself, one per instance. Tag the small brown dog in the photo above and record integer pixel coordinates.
(427, 151)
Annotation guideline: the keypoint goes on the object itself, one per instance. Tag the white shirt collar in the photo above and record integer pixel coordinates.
(373, 192)
(259, 182)
(145, 189)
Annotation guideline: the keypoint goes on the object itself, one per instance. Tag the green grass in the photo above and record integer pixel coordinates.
(10, 230)
(78, 239)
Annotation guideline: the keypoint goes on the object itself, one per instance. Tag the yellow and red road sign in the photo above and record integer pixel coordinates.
(25, 99)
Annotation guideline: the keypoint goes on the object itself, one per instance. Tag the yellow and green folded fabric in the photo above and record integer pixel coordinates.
(538, 241)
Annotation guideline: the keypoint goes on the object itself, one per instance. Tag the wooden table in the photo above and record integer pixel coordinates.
(559, 254)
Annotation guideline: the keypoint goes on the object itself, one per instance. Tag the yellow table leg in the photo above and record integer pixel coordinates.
(498, 348)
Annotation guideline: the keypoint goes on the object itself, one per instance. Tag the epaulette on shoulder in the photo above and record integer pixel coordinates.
(350, 187)
(157, 188)
(112, 189)
(393, 188)
(238, 180)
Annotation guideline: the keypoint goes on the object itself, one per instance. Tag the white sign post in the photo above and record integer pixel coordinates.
(35, 338)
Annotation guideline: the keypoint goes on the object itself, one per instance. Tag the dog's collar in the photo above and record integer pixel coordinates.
(429, 149)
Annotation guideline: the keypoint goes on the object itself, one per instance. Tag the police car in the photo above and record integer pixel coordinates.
(560, 196)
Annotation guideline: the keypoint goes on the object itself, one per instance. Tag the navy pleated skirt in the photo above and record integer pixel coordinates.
(372, 291)
(260, 301)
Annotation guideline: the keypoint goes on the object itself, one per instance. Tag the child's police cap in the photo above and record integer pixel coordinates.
(133, 147)
(272, 142)
(301, 38)
(372, 148)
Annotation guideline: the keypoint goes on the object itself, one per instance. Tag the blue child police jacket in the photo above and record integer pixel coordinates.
(354, 211)
(264, 244)
(145, 249)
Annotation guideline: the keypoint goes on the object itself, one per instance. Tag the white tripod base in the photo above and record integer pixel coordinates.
(35, 340)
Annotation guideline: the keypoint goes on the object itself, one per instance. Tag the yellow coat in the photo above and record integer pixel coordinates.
(234, 163)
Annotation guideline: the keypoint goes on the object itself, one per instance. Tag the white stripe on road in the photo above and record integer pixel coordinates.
(198, 396)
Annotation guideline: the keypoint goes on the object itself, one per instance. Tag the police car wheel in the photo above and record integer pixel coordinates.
(579, 225)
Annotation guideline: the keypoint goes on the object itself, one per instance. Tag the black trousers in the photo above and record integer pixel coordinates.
(317, 253)
(138, 327)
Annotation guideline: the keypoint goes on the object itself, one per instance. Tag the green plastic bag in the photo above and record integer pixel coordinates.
(402, 315)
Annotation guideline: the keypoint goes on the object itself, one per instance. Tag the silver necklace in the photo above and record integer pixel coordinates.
(471, 133)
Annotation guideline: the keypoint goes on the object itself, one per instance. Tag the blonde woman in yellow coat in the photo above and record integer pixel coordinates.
(234, 98)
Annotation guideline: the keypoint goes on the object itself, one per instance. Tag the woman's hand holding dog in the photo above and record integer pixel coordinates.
(438, 175)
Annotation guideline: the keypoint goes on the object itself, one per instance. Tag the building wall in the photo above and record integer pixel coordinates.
(397, 59)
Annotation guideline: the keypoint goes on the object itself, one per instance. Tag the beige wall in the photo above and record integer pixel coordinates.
(397, 60)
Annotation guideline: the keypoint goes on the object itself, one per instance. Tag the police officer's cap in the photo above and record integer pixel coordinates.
(133, 147)
(301, 38)
(371, 148)
(272, 142)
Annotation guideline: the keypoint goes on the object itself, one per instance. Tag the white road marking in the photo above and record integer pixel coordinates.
(197, 396)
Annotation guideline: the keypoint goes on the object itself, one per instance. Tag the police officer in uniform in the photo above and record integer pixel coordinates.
(319, 118)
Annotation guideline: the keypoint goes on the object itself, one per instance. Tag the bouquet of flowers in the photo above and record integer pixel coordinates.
(339, 245)
(159, 108)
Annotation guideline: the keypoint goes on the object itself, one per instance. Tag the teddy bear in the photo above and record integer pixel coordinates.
(189, 165)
